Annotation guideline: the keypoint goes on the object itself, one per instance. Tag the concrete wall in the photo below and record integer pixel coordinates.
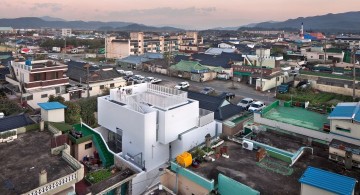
(176, 121)
(346, 124)
(342, 153)
(335, 89)
(116, 49)
(192, 139)
(184, 185)
(271, 83)
(81, 152)
(309, 190)
(145, 180)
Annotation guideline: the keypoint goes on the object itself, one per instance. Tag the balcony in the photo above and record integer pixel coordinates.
(47, 83)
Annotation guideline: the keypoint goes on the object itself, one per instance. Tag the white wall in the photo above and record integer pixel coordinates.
(139, 131)
(271, 83)
(192, 139)
(176, 121)
(346, 124)
(57, 115)
(145, 180)
(309, 190)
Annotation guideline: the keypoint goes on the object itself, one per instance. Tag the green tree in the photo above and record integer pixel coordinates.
(72, 112)
(53, 98)
(88, 108)
(9, 107)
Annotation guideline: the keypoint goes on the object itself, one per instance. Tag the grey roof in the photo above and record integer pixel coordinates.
(213, 103)
(3, 72)
(134, 59)
(223, 60)
(77, 71)
(13, 122)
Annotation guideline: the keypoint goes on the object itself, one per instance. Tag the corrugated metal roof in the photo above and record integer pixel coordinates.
(51, 105)
(346, 110)
(328, 181)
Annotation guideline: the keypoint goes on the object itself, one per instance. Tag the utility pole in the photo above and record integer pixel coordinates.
(354, 72)
(325, 52)
(87, 66)
(261, 59)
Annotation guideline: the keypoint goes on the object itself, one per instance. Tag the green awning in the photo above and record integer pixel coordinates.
(242, 73)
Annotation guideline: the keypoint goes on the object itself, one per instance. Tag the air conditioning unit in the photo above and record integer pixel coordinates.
(248, 145)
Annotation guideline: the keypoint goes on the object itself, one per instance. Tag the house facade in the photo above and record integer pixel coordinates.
(37, 80)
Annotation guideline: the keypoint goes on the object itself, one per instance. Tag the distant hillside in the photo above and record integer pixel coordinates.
(349, 21)
(49, 18)
(34, 22)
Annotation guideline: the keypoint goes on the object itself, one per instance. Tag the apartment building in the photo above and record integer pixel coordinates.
(35, 81)
(140, 43)
(65, 32)
(153, 124)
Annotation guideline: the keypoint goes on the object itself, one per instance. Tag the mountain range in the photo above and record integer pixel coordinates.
(342, 22)
(50, 22)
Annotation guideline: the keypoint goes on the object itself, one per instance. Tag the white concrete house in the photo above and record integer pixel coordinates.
(52, 111)
(155, 124)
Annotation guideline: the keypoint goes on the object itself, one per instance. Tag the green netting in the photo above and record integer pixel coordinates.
(298, 117)
(209, 185)
(287, 104)
(280, 156)
(275, 167)
(270, 107)
(228, 186)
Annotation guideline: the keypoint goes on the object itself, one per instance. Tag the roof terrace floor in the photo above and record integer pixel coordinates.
(298, 117)
(242, 166)
(22, 160)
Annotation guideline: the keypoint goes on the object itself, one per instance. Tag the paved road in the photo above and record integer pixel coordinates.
(241, 90)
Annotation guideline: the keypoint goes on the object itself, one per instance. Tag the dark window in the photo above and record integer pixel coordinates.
(112, 85)
(89, 145)
(44, 95)
(343, 129)
(90, 88)
(30, 97)
(37, 77)
(102, 86)
(57, 90)
(55, 75)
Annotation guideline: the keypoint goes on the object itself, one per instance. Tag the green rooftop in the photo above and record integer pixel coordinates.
(298, 117)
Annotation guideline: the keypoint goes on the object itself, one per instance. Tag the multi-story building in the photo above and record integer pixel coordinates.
(352, 41)
(65, 32)
(152, 125)
(37, 80)
(139, 43)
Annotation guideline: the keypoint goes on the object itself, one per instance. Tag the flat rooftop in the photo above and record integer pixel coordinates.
(298, 117)
(242, 166)
(23, 159)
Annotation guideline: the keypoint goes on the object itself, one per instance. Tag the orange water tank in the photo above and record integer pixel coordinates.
(184, 159)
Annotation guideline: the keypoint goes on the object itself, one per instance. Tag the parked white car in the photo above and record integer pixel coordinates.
(121, 71)
(152, 80)
(182, 85)
(245, 103)
(256, 106)
(129, 73)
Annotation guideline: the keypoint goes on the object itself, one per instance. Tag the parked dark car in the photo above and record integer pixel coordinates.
(207, 90)
(227, 95)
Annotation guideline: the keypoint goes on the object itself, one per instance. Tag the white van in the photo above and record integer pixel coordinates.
(129, 73)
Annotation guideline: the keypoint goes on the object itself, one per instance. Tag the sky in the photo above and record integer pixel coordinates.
(189, 14)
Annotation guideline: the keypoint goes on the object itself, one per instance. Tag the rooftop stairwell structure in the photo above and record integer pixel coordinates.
(105, 155)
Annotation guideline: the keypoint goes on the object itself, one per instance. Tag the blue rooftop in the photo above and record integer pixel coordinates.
(328, 181)
(346, 110)
(51, 105)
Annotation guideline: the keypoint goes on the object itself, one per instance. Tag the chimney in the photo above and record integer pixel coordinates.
(42, 177)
